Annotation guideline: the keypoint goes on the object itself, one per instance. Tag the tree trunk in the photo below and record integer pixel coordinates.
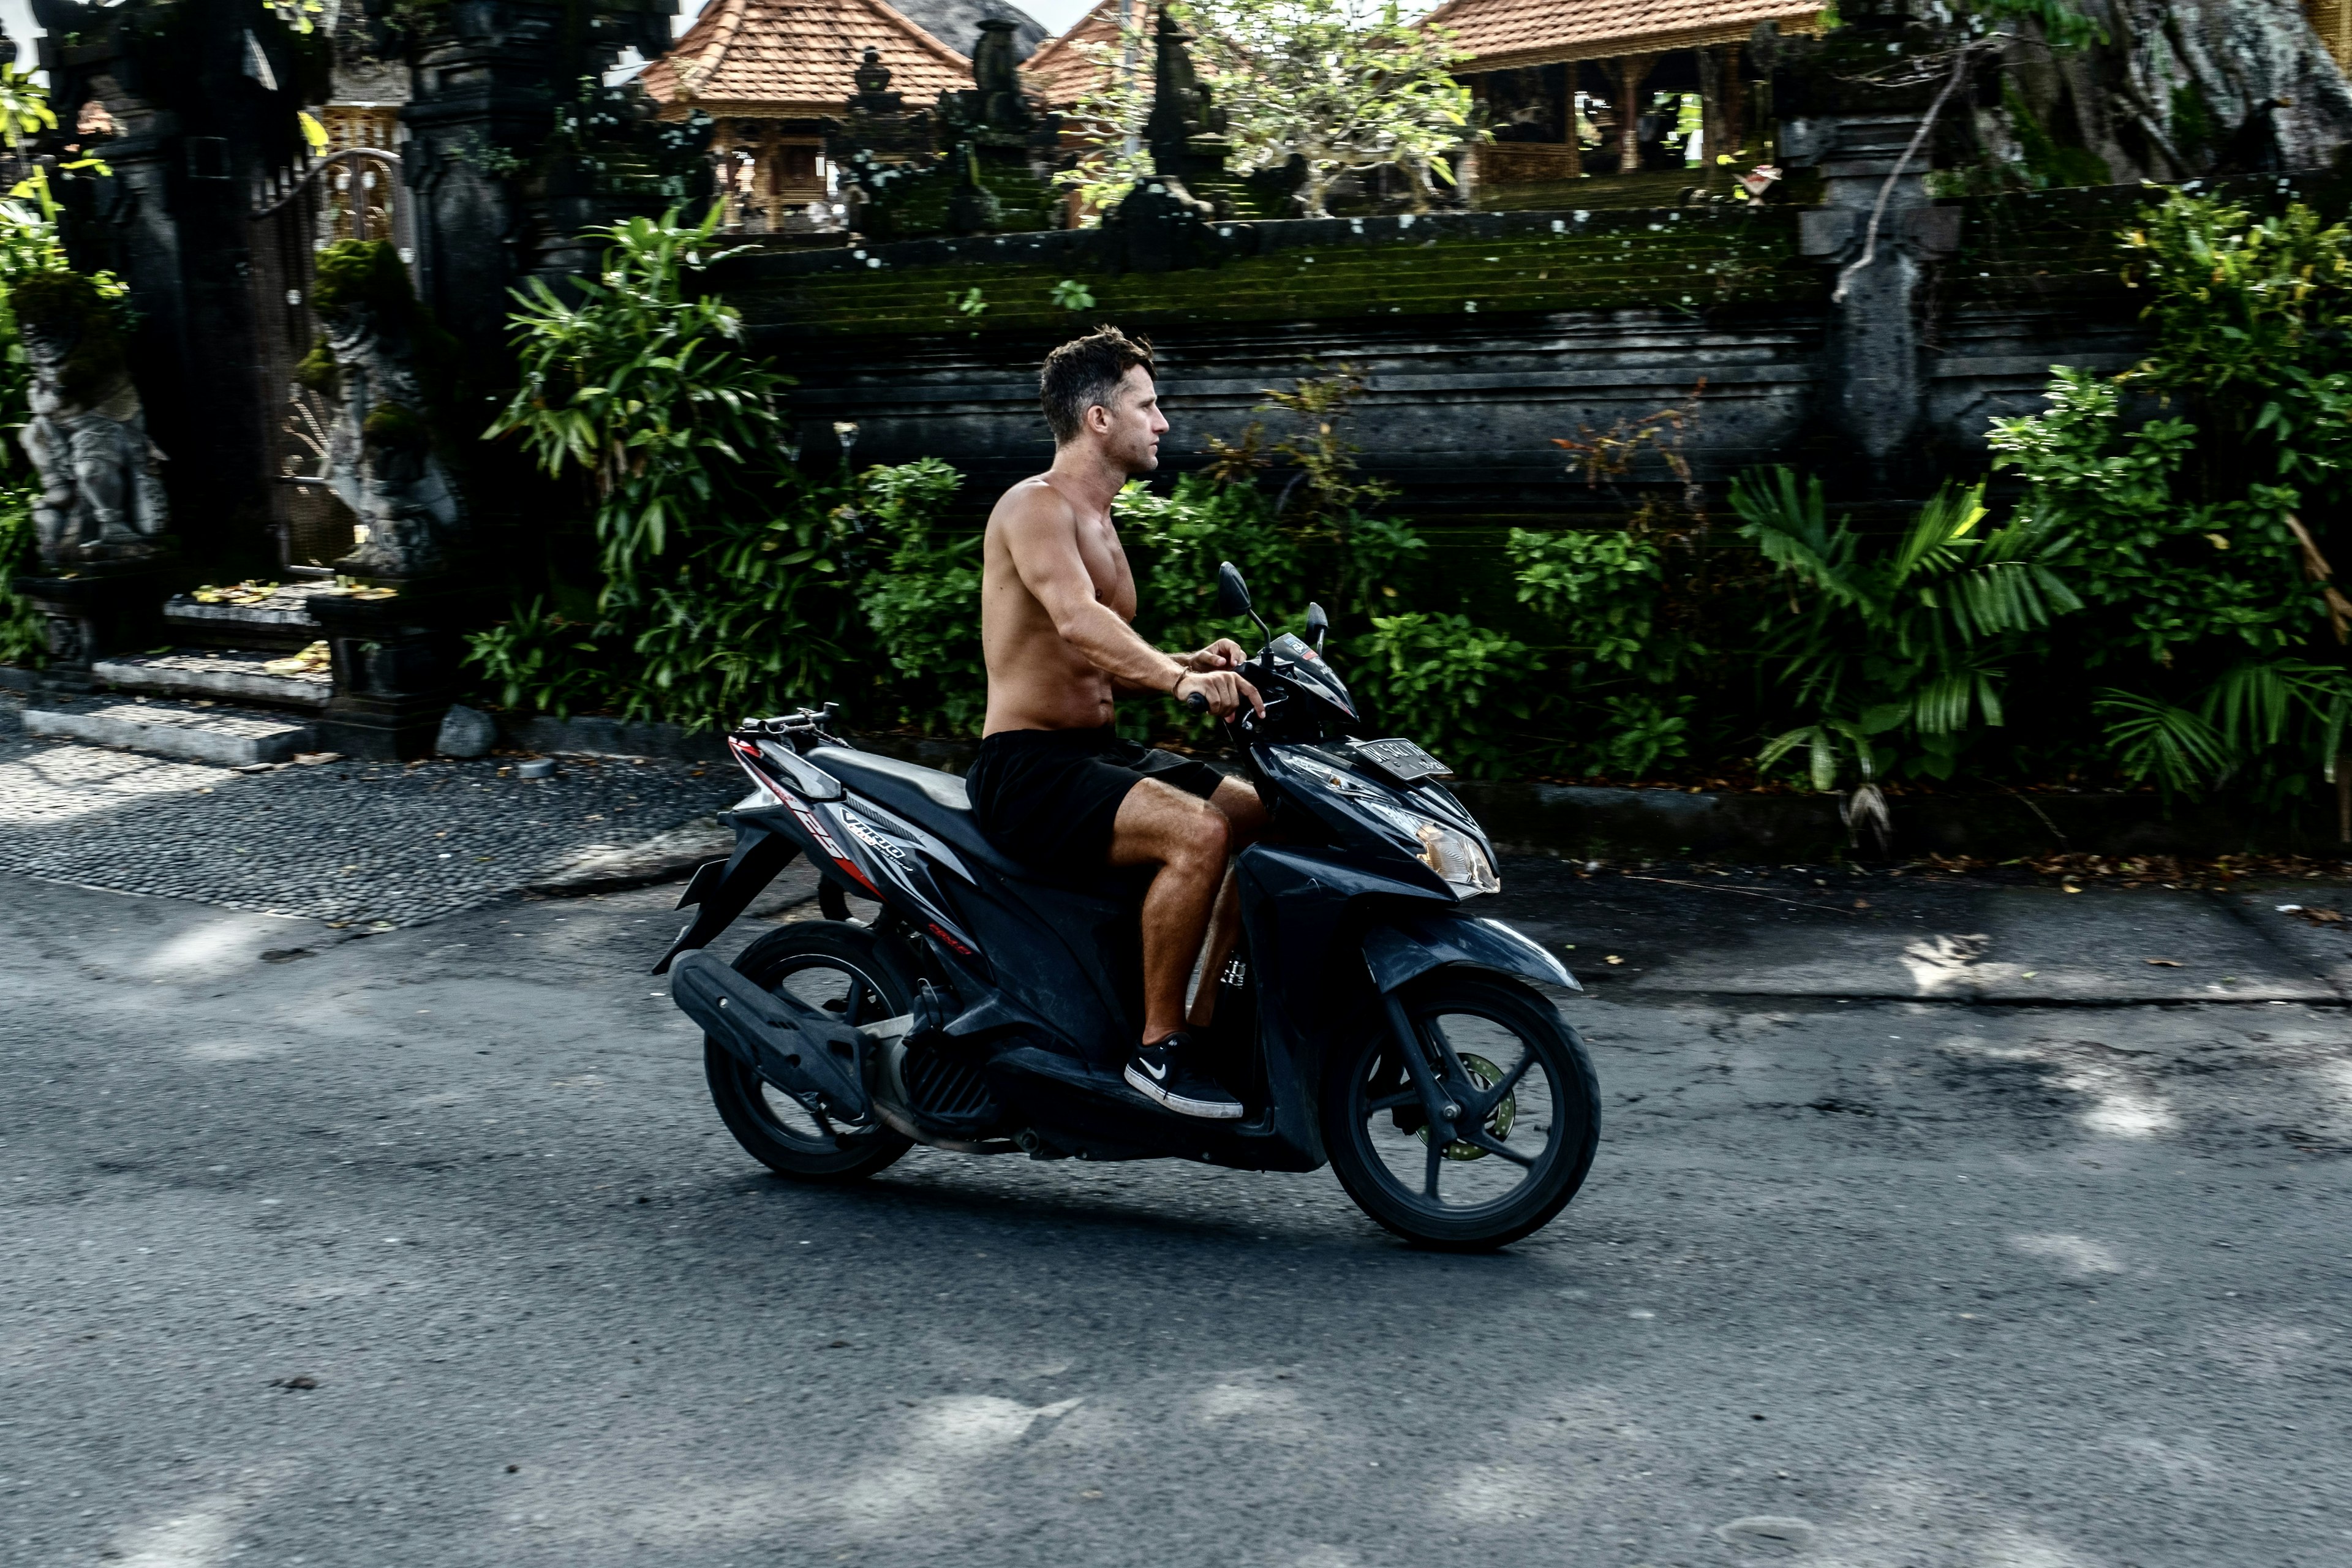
(2186, 87)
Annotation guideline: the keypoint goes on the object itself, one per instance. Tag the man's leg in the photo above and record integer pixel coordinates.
(1245, 819)
(1186, 837)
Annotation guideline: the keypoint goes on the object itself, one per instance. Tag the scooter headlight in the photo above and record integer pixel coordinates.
(1458, 858)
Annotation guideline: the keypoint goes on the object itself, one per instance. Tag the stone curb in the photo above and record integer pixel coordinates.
(663, 858)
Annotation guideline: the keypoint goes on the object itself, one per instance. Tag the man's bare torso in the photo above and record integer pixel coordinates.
(1036, 679)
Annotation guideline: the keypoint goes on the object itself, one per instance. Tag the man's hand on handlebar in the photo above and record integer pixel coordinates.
(1223, 654)
(1216, 691)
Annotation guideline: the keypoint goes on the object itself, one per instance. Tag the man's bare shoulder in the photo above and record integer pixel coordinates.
(1034, 506)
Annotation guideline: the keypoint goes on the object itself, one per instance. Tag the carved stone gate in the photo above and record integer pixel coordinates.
(356, 192)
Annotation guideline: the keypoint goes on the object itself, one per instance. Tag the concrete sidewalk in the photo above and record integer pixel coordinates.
(1801, 932)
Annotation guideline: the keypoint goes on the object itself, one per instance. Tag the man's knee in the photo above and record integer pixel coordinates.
(1205, 837)
(1165, 825)
(1245, 814)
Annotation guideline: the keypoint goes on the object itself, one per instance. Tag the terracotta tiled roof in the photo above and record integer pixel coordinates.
(798, 58)
(1061, 70)
(1505, 34)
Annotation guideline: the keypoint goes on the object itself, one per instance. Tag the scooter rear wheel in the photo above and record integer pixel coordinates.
(838, 967)
(1532, 1121)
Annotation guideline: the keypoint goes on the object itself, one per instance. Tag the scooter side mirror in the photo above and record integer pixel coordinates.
(1232, 594)
(1317, 623)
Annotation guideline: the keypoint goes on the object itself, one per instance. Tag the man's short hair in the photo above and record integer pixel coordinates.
(1086, 372)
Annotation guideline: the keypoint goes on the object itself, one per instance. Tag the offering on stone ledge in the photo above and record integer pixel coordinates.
(245, 592)
(310, 658)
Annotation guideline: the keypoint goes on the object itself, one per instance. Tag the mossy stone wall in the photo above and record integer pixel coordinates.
(1685, 260)
(1484, 339)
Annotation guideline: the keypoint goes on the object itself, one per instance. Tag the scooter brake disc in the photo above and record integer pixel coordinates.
(1485, 1075)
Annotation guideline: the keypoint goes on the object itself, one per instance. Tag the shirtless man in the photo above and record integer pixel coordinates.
(1054, 786)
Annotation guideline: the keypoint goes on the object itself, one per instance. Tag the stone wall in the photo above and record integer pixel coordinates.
(1482, 338)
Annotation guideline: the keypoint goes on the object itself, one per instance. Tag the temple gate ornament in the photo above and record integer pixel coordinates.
(1162, 224)
(101, 483)
(1186, 129)
(375, 356)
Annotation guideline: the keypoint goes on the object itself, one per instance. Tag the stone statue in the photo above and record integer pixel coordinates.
(102, 486)
(1186, 129)
(1162, 224)
(378, 353)
(873, 78)
(996, 71)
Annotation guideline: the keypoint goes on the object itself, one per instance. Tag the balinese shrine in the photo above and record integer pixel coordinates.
(1652, 95)
(778, 75)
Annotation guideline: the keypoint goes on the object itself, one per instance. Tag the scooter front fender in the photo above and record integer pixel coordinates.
(1409, 945)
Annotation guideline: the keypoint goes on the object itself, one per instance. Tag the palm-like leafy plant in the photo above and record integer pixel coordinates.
(1883, 640)
(642, 384)
(2253, 710)
(722, 581)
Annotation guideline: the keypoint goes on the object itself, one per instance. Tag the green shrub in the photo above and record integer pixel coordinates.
(642, 387)
(923, 600)
(1909, 639)
(2201, 540)
(22, 639)
(1600, 590)
(1462, 691)
(1183, 537)
(721, 587)
(533, 662)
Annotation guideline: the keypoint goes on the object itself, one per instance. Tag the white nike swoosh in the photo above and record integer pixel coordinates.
(1158, 1074)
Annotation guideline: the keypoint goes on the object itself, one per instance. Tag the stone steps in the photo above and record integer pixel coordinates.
(227, 737)
(224, 675)
(283, 621)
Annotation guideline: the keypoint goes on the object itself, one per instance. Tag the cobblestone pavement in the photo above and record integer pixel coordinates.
(348, 842)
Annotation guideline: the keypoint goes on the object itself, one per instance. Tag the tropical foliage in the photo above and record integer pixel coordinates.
(2213, 631)
(2155, 604)
(715, 551)
(29, 248)
(1898, 642)
(1325, 88)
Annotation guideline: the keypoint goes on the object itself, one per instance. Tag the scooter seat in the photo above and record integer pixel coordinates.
(939, 802)
(927, 796)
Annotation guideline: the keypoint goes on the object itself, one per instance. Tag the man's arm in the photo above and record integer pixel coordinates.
(1042, 536)
(1223, 654)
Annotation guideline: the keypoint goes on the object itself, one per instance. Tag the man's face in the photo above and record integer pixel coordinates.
(1132, 424)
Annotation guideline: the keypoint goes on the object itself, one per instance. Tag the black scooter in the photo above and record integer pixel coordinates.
(1367, 1019)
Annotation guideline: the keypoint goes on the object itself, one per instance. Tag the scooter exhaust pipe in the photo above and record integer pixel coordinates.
(811, 1056)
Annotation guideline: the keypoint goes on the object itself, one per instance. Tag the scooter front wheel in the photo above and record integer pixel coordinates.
(1529, 1114)
(842, 969)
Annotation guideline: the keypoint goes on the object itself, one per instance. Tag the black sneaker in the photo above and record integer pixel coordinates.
(1162, 1073)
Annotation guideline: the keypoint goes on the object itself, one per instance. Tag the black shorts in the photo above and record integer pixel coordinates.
(1048, 798)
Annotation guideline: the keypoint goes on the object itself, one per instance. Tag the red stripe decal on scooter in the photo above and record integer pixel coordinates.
(824, 842)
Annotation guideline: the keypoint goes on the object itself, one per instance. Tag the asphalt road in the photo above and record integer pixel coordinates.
(425, 1248)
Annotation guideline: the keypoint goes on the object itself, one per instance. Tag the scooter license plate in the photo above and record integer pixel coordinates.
(1400, 761)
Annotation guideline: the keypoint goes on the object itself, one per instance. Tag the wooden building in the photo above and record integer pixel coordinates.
(1579, 88)
(773, 72)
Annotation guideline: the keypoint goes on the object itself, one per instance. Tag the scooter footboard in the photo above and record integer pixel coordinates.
(1410, 945)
